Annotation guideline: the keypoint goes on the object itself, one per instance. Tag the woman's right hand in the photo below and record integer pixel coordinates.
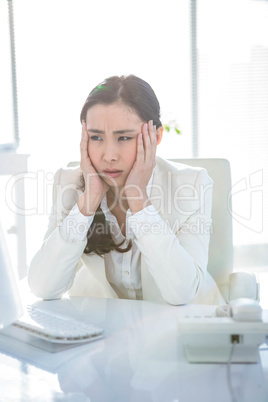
(95, 187)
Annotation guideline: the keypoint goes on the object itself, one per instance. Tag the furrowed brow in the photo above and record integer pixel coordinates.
(121, 132)
(124, 131)
(95, 131)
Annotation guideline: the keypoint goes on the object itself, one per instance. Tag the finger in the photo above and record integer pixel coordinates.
(82, 129)
(140, 148)
(151, 152)
(154, 147)
(150, 146)
(154, 143)
(84, 137)
(152, 132)
(84, 144)
(146, 140)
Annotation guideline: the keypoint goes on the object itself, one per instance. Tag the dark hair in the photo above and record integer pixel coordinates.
(129, 90)
(99, 239)
(139, 97)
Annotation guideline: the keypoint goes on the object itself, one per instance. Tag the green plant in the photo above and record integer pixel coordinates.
(170, 126)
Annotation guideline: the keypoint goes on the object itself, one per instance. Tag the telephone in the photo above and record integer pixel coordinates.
(241, 285)
(235, 330)
(242, 309)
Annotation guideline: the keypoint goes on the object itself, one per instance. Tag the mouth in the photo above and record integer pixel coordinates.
(112, 172)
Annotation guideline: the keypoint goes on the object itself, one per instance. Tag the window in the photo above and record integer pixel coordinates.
(64, 48)
(6, 106)
(233, 102)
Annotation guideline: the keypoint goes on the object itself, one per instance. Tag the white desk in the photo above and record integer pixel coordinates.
(139, 359)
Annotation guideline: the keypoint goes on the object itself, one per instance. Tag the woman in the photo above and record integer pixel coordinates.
(126, 224)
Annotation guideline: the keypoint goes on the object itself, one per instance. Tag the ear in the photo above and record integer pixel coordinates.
(159, 134)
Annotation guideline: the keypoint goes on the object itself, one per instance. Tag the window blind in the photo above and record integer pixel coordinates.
(232, 43)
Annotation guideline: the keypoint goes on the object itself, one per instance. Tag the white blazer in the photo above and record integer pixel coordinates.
(182, 195)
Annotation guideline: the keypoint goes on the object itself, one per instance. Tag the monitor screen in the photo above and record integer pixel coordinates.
(10, 302)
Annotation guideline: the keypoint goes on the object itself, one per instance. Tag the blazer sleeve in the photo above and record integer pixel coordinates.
(176, 255)
(52, 269)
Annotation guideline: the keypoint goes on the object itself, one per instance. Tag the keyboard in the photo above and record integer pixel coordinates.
(51, 328)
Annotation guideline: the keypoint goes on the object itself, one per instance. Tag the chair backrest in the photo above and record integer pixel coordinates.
(220, 264)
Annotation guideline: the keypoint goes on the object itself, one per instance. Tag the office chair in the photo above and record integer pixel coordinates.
(220, 263)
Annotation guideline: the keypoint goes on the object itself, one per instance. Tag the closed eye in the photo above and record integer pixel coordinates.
(123, 138)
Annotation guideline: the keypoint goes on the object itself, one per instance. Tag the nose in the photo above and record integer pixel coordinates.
(110, 153)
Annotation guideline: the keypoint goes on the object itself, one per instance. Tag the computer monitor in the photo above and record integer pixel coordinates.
(10, 303)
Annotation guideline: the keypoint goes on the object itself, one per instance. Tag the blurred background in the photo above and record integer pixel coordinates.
(207, 61)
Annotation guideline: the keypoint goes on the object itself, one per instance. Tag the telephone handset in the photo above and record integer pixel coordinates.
(243, 285)
(242, 309)
(237, 327)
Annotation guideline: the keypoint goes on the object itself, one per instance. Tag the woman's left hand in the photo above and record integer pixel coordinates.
(141, 172)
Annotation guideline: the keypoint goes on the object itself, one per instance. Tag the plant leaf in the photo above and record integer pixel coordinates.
(166, 127)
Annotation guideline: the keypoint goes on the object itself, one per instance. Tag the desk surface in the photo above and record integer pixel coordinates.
(140, 359)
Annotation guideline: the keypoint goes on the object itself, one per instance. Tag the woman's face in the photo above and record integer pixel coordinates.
(112, 145)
